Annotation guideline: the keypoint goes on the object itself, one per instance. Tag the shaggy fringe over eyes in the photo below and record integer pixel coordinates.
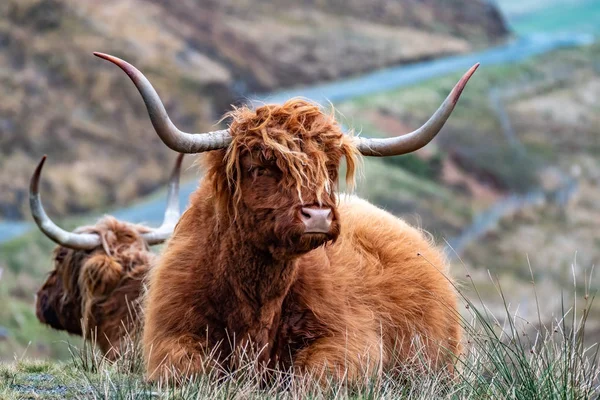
(117, 236)
(301, 139)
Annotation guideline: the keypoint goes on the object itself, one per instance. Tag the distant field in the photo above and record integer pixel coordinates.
(526, 17)
(515, 7)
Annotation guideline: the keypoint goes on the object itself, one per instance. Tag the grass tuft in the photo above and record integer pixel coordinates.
(505, 357)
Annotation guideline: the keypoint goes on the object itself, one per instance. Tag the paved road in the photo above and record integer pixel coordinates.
(405, 75)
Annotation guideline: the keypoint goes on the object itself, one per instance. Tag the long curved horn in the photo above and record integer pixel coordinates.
(172, 212)
(175, 139)
(79, 241)
(415, 140)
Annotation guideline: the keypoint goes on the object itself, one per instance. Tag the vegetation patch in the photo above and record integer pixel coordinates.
(505, 357)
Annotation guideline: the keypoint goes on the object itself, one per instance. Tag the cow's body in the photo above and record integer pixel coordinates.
(96, 285)
(375, 295)
(268, 260)
(96, 294)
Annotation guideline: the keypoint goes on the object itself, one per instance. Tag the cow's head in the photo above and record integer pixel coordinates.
(278, 176)
(91, 262)
(84, 278)
(276, 167)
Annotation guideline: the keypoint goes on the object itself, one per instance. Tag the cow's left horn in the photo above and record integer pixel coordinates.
(172, 212)
(81, 241)
(415, 140)
(177, 140)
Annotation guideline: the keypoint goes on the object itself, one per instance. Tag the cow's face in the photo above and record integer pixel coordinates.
(73, 294)
(281, 176)
(58, 302)
(295, 143)
(295, 219)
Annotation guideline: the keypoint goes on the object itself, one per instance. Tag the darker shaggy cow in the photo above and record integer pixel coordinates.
(95, 287)
(269, 257)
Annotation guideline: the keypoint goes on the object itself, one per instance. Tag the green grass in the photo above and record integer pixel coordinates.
(26, 261)
(505, 357)
(582, 16)
(391, 186)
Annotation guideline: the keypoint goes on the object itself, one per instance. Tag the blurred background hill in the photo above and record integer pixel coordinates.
(512, 181)
(201, 56)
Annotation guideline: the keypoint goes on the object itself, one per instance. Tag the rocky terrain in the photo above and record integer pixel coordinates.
(202, 56)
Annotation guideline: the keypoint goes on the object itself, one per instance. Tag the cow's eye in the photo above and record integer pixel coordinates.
(260, 171)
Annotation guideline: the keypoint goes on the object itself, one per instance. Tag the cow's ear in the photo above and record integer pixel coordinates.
(100, 274)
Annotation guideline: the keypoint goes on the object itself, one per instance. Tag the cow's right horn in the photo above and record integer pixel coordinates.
(407, 143)
(175, 139)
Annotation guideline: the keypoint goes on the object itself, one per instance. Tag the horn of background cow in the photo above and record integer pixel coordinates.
(415, 140)
(175, 139)
(78, 241)
(172, 212)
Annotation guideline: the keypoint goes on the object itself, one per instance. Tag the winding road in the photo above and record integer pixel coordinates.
(151, 211)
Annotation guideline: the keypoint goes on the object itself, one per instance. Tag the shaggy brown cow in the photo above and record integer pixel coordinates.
(99, 271)
(268, 255)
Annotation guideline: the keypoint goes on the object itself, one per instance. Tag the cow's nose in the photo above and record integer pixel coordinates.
(316, 219)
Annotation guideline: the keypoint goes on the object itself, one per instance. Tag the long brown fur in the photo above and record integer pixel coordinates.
(96, 293)
(239, 271)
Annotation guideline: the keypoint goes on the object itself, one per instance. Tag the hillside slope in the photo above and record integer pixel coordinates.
(201, 56)
(521, 128)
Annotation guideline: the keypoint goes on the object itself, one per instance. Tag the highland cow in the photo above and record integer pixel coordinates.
(269, 257)
(96, 285)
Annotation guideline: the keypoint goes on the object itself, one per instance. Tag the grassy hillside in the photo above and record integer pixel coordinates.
(516, 360)
(518, 128)
(25, 264)
(201, 56)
